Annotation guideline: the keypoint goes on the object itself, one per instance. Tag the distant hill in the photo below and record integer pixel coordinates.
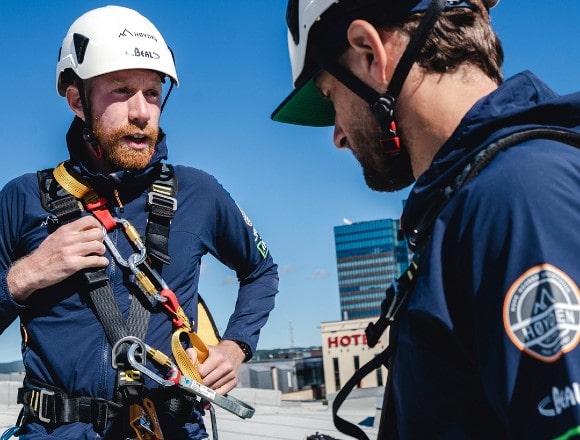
(11, 367)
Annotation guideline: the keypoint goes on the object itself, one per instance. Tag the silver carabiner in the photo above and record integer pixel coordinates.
(143, 369)
(138, 343)
(137, 258)
(114, 251)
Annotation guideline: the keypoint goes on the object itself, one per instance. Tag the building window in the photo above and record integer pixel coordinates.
(336, 373)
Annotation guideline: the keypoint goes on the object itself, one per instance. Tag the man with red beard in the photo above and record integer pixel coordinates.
(485, 324)
(89, 280)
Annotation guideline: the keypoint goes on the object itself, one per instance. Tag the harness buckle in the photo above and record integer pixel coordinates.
(162, 200)
(44, 394)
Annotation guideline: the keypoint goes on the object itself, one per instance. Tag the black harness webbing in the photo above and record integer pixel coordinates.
(53, 405)
(399, 293)
(162, 205)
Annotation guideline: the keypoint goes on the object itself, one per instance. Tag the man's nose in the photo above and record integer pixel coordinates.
(138, 109)
(339, 136)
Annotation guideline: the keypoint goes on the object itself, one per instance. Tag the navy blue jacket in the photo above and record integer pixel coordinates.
(66, 344)
(488, 346)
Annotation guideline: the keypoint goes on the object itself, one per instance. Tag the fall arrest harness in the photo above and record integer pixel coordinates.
(397, 296)
(61, 191)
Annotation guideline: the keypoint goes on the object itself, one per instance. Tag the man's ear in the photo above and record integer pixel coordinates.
(73, 98)
(368, 55)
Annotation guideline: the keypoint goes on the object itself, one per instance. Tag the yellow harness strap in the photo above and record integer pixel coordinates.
(185, 364)
(70, 183)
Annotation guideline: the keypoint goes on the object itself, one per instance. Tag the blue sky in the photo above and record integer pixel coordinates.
(233, 68)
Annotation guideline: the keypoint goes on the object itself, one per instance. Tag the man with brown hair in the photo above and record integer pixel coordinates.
(485, 325)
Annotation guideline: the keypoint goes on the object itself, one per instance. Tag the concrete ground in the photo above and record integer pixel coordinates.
(273, 419)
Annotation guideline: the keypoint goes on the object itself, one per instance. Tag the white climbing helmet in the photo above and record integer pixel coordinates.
(109, 39)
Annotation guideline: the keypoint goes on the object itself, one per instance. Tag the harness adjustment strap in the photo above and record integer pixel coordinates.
(162, 206)
(51, 405)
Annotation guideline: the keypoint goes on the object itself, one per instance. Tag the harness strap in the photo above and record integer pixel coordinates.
(423, 228)
(341, 424)
(53, 406)
(162, 207)
(50, 405)
(63, 206)
(103, 300)
(396, 298)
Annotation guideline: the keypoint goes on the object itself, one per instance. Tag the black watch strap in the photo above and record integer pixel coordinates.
(246, 350)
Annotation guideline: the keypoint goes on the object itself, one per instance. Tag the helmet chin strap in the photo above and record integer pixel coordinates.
(383, 105)
(88, 134)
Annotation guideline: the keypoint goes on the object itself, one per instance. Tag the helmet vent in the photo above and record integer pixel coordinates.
(81, 42)
(292, 20)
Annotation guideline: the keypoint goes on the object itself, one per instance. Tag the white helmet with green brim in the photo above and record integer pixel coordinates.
(317, 33)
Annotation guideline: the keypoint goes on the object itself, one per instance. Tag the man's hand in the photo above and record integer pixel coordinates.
(70, 249)
(220, 369)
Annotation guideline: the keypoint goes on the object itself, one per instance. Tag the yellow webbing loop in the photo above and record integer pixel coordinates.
(74, 185)
(186, 366)
(69, 182)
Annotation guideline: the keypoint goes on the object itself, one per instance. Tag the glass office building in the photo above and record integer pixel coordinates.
(369, 257)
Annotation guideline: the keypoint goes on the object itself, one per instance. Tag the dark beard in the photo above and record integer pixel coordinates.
(395, 173)
(382, 171)
(119, 156)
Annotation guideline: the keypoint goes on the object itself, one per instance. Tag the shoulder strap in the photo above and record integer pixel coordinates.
(399, 293)
(424, 225)
(162, 206)
(62, 205)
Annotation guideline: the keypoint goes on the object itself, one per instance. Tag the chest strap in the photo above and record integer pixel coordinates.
(161, 200)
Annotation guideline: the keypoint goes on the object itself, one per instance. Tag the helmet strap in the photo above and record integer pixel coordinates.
(383, 105)
(168, 93)
(88, 134)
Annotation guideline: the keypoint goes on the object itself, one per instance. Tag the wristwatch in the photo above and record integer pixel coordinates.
(246, 350)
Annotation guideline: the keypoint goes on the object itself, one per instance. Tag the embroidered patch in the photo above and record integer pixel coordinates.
(541, 313)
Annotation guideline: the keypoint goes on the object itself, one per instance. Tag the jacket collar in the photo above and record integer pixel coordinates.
(522, 101)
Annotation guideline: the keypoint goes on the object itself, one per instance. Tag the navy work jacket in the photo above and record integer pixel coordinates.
(66, 345)
(488, 346)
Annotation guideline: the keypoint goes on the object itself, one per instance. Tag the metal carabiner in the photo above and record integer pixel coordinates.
(133, 236)
(113, 250)
(138, 343)
(143, 369)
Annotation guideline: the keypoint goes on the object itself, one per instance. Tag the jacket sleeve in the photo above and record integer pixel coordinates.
(515, 243)
(237, 244)
(13, 201)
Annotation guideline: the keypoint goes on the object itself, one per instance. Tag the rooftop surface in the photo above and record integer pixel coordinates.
(283, 421)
